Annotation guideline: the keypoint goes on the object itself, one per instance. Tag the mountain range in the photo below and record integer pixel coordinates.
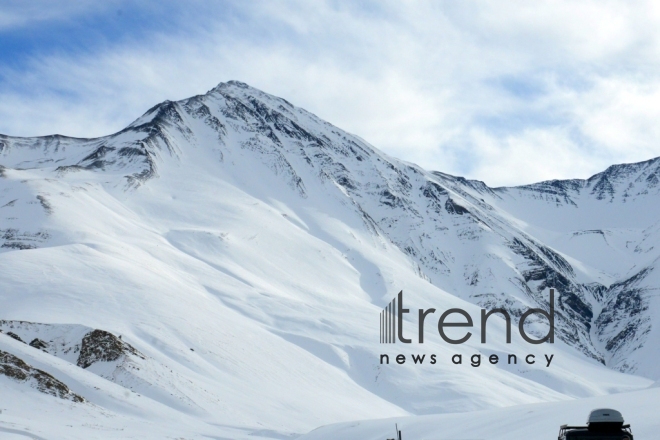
(217, 270)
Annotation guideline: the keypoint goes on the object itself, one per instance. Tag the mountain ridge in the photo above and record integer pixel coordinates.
(298, 233)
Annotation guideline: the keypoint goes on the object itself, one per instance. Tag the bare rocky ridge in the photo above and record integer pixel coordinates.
(19, 371)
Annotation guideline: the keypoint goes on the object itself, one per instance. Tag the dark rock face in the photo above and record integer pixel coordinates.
(454, 208)
(38, 343)
(15, 336)
(18, 246)
(18, 370)
(547, 269)
(624, 323)
(102, 346)
(20, 240)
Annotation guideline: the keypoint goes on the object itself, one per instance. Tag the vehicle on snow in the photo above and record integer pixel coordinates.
(602, 424)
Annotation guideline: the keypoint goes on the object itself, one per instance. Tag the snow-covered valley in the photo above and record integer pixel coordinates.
(217, 270)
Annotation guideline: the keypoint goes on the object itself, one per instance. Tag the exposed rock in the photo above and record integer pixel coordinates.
(18, 370)
(15, 336)
(20, 240)
(17, 245)
(454, 208)
(102, 346)
(38, 343)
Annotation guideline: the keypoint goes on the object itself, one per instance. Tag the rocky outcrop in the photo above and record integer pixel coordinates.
(102, 346)
(18, 370)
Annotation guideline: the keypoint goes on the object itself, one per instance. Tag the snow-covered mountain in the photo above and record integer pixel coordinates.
(218, 268)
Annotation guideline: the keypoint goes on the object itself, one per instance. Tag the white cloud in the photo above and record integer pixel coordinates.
(531, 156)
(481, 89)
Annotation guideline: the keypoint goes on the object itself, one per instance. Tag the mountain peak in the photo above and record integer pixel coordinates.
(233, 85)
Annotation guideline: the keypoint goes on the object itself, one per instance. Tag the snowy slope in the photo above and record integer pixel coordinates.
(243, 249)
(538, 421)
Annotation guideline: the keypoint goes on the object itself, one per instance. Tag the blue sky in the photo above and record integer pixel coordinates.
(508, 92)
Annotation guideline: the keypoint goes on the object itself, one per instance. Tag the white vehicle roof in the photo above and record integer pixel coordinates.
(604, 415)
